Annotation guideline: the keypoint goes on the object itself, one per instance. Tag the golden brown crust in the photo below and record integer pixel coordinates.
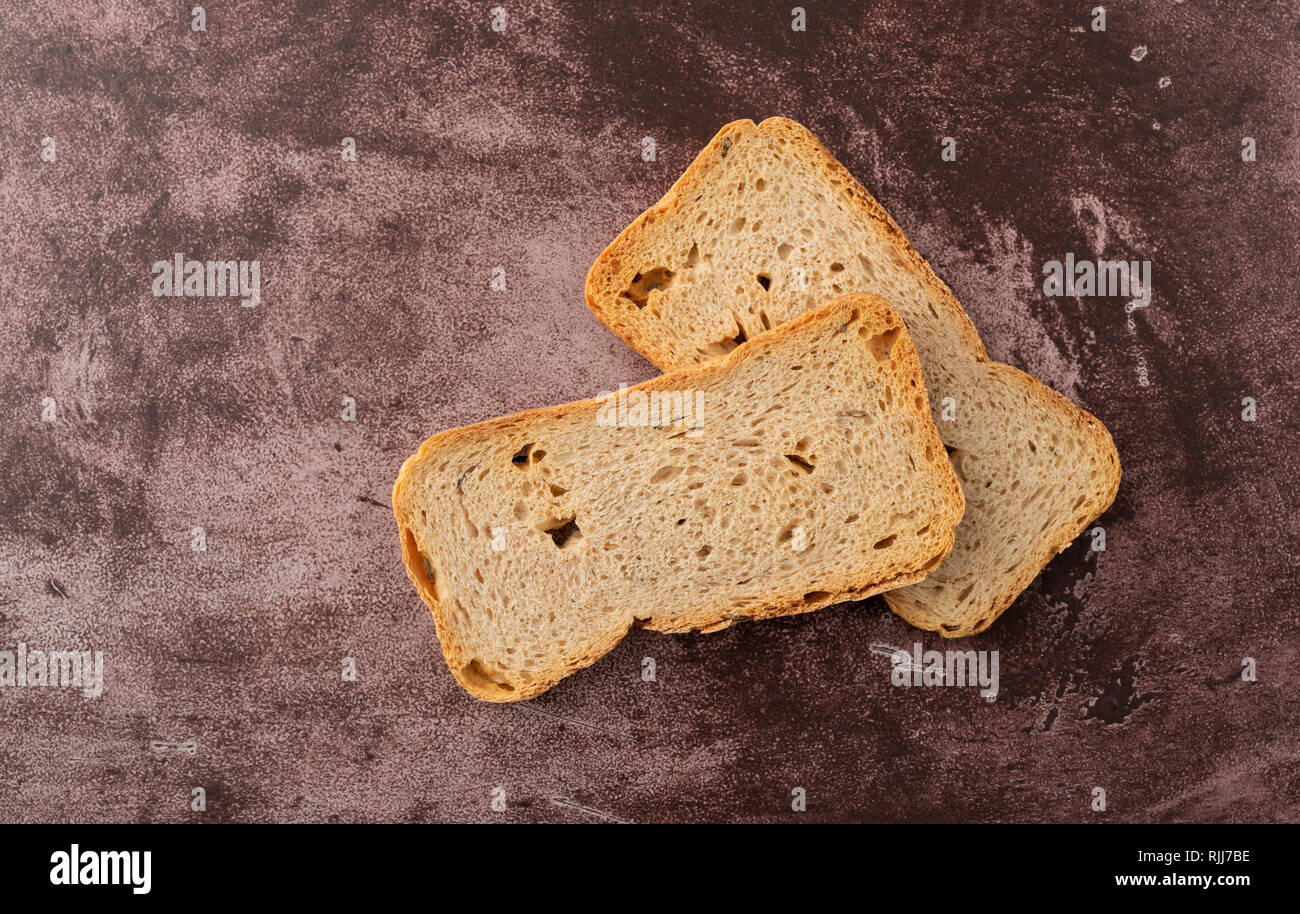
(709, 616)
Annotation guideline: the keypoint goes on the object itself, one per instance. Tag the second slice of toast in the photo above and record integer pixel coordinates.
(800, 470)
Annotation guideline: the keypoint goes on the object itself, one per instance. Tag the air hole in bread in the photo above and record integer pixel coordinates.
(763, 319)
(886, 542)
(800, 463)
(483, 678)
(557, 491)
(765, 281)
(471, 530)
(665, 473)
(814, 596)
(740, 479)
(882, 344)
(737, 224)
(520, 459)
(784, 251)
(703, 551)
(459, 612)
(837, 267)
(760, 184)
(563, 531)
(726, 344)
(423, 569)
(957, 458)
(657, 279)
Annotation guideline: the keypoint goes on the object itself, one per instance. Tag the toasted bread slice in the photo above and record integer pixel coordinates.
(766, 224)
(801, 470)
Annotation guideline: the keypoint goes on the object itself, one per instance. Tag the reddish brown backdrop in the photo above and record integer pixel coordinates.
(522, 149)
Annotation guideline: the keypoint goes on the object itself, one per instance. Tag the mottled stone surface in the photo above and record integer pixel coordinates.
(522, 149)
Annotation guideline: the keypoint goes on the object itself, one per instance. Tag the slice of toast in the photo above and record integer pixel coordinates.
(801, 470)
(766, 224)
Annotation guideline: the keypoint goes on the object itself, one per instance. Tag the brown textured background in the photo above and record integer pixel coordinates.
(522, 149)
